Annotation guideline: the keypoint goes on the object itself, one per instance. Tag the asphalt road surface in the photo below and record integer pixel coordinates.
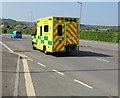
(92, 71)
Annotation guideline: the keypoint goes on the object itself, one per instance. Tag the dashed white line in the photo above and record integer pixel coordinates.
(58, 72)
(102, 60)
(30, 60)
(83, 84)
(106, 60)
(42, 65)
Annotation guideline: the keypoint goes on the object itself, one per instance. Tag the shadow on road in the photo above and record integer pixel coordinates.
(80, 54)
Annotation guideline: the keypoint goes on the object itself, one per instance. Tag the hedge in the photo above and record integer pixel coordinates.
(86, 35)
(100, 36)
(24, 31)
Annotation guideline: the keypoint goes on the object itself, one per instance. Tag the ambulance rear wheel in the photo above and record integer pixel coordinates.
(44, 50)
(34, 48)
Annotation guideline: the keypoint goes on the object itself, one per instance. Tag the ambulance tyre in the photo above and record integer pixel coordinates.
(67, 51)
(44, 50)
(34, 48)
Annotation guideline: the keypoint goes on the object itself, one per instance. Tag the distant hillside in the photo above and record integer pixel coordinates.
(13, 23)
(8, 20)
(98, 28)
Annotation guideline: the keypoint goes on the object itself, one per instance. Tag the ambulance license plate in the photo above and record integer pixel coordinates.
(71, 37)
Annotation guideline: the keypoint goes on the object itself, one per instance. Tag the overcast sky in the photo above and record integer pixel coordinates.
(98, 13)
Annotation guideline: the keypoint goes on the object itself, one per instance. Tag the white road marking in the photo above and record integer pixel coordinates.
(106, 60)
(28, 81)
(15, 93)
(30, 60)
(7, 47)
(102, 60)
(13, 51)
(83, 84)
(42, 65)
(58, 72)
(22, 55)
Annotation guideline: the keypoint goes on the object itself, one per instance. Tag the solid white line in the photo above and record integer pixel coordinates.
(13, 51)
(15, 93)
(42, 64)
(28, 81)
(83, 84)
(58, 72)
(98, 59)
(102, 60)
(7, 47)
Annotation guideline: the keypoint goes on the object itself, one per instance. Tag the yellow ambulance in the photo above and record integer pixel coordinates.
(56, 33)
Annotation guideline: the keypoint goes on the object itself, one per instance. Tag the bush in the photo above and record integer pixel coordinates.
(100, 36)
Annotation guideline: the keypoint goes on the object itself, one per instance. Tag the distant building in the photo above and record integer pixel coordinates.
(21, 27)
(2, 26)
(9, 27)
(32, 27)
(104, 29)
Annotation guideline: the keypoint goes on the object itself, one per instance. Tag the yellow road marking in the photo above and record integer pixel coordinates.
(28, 81)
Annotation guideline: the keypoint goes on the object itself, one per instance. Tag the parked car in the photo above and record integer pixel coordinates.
(16, 34)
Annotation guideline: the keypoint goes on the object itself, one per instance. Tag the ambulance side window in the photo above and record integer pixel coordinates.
(46, 28)
(59, 30)
(40, 30)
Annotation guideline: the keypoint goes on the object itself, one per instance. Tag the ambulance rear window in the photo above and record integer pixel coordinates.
(46, 28)
(59, 30)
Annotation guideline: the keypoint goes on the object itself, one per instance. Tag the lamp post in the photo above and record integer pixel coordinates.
(80, 10)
